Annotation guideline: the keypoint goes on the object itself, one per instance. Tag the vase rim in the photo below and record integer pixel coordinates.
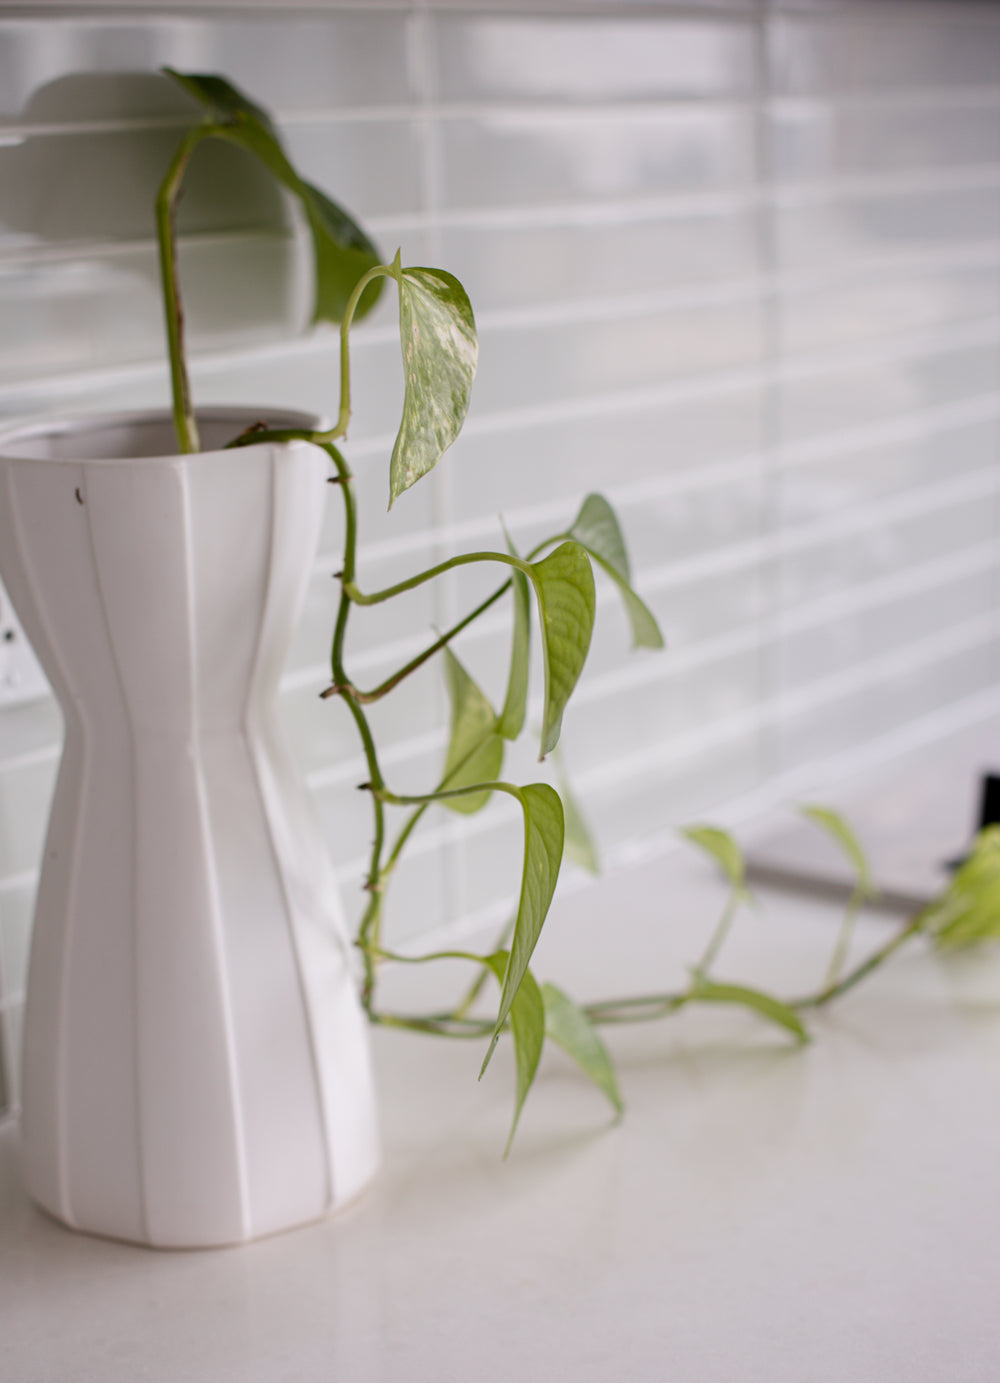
(58, 429)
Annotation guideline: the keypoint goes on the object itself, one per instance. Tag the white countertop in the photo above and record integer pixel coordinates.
(763, 1212)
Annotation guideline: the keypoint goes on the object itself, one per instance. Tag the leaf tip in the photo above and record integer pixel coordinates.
(486, 1059)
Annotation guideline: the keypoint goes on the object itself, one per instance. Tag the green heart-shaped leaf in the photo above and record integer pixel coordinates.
(527, 1025)
(568, 1026)
(515, 704)
(722, 848)
(838, 829)
(597, 529)
(564, 589)
(543, 847)
(968, 911)
(437, 333)
(475, 750)
(342, 252)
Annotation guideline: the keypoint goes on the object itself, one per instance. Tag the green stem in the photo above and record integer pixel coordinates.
(426, 798)
(380, 953)
(339, 429)
(371, 918)
(636, 1008)
(377, 597)
(410, 826)
(641, 1008)
(444, 1026)
(721, 932)
(476, 988)
(390, 684)
(844, 935)
(833, 991)
(646, 1009)
(279, 434)
(346, 480)
(166, 234)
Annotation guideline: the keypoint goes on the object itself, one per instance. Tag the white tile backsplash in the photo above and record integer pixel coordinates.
(834, 138)
(735, 263)
(541, 59)
(830, 228)
(522, 266)
(520, 159)
(888, 46)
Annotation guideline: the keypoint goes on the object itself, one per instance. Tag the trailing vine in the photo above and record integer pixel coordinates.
(439, 351)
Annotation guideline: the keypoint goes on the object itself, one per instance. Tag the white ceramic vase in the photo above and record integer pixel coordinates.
(196, 1065)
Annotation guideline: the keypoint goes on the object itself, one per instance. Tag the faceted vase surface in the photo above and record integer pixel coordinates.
(196, 1065)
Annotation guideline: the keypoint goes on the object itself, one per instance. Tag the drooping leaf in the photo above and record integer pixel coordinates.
(437, 333)
(475, 750)
(568, 1026)
(707, 991)
(722, 848)
(597, 529)
(968, 910)
(543, 846)
(837, 828)
(527, 1025)
(342, 252)
(341, 255)
(515, 704)
(564, 589)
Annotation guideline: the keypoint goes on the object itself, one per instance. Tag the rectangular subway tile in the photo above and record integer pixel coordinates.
(596, 57)
(526, 366)
(534, 265)
(877, 303)
(884, 385)
(847, 723)
(555, 462)
(854, 476)
(839, 140)
(873, 49)
(817, 568)
(811, 655)
(511, 159)
(63, 69)
(840, 228)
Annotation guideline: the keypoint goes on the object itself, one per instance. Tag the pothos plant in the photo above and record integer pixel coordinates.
(550, 588)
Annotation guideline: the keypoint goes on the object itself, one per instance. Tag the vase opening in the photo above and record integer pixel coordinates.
(104, 439)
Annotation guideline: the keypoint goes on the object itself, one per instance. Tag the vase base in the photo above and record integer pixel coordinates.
(135, 1241)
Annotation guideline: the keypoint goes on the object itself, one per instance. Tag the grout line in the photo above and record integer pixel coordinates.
(736, 557)
(821, 775)
(560, 312)
(957, 255)
(855, 519)
(893, 347)
(556, 111)
(706, 652)
(708, 476)
(815, 776)
(970, 634)
(912, 97)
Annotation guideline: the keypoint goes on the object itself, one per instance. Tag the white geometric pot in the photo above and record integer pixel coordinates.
(196, 1065)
